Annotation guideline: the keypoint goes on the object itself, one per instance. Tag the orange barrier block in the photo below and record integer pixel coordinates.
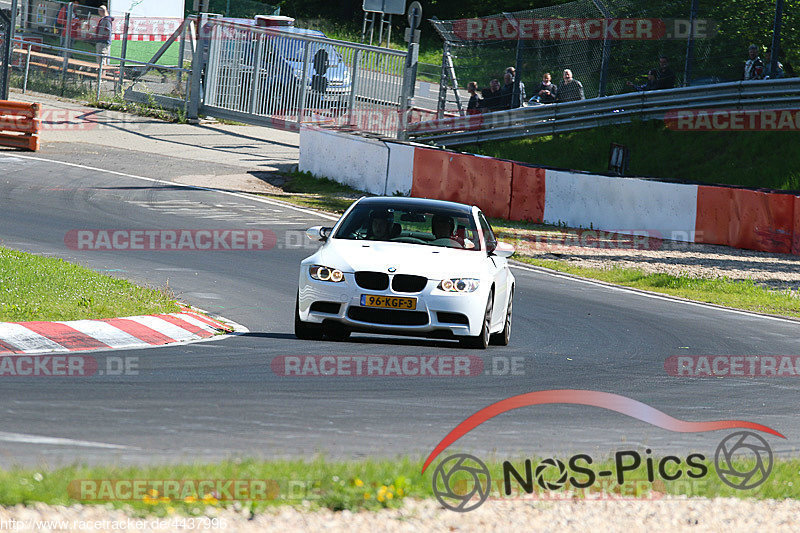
(19, 117)
(762, 221)
(712, 224)
(469, 179)
(430, 172)
(26, 142)
(742, 218)
(527, 193)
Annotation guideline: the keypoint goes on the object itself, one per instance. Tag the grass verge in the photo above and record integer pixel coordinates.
(339, 485)
(46, 288)
(324, 194)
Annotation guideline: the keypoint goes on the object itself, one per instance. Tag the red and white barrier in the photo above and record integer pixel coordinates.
(767, 221)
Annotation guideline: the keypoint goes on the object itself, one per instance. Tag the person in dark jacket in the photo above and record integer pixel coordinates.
(753, 67)
(665, 78)
(649, 85)
(546, 92)
(474, 104)
(103, 34)
(492, 97)
(571, 90)
(508, 89)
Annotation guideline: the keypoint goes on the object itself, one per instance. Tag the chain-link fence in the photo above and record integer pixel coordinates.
(611, 45)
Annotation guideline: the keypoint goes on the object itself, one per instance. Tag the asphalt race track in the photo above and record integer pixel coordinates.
(221, 399)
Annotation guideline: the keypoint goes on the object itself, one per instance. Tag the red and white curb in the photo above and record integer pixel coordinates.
(113, 333)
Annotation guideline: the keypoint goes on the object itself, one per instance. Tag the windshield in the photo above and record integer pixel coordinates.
(414, 225)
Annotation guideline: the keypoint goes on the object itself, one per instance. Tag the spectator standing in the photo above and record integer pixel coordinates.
(508, 89)
(103, 34)
(753, 67)
(492, 96)
(571, 90)
(475, 101)
(547, 90)
(61, 18)
(665, 77)
(768, 67)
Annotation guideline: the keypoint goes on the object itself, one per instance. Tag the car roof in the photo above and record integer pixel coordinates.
(420, 203)
(299, 31)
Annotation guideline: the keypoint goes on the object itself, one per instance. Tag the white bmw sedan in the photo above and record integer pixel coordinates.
(407, 266)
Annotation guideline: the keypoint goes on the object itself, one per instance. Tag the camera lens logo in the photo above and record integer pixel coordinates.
(551, 485)
(461, 482)
(756, 449)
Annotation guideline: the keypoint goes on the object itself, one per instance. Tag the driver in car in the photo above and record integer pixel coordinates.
(380, 226)
(442, 227)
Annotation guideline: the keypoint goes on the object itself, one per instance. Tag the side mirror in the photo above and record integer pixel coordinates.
(503, 249)
(318, 233)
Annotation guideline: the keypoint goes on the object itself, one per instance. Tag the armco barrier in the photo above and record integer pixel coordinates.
(464, 178)
(22, 121)
(527, 193)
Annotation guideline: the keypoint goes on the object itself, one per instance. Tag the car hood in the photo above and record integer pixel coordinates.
(433, 262)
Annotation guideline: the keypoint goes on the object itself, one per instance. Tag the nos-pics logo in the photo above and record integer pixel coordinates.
(462, 482)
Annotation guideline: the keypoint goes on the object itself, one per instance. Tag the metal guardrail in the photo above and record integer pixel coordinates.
(620, 109)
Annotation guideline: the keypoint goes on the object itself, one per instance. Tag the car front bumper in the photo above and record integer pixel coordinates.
(437, 312)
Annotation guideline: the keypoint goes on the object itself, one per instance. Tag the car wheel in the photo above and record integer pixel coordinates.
(305, 330)
(481, 341)
(502, 338)
(335, 332)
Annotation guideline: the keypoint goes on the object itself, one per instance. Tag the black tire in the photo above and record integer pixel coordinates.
(503, 338)
(305, 330)
(335, 332)
(481, 341)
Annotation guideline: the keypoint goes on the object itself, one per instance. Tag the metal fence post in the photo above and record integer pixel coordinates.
(198, 62)
(687, 71)
(776, 38)
(256, 76)
(303, 85)
(99, 77)
(601, 90)
(181, 52)
(351, 101)
(124, 53)
(8, 50)
(67, 45)
(27, 69)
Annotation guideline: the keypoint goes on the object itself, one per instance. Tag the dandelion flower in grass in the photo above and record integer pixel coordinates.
(358, 483)
(367, 496)
(189, 499)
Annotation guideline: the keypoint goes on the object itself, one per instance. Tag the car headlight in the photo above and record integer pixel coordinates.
(459, 285)
(323, 273)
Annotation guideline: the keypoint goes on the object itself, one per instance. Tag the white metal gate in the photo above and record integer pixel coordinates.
(288, 76)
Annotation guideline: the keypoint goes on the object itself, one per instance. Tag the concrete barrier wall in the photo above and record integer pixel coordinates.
(355, 161)
(622, 205)
(741, 218)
